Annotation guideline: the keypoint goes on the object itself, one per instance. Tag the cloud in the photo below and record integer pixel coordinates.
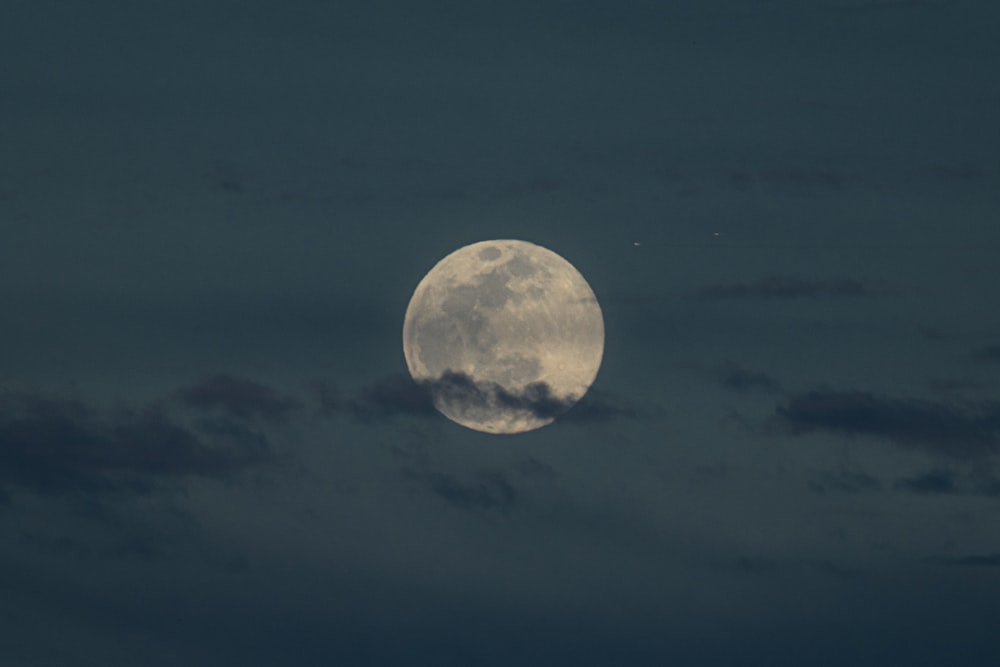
(959, 431)
(828, 481)
(54, 446)
(740, 379)
(935, 482)
(945, 481)
(239, 397)
(984, 560)
(987, 355)
(395, 394)
(400, 395)
(804, 180)
(956, 387)
(858, 6)
(787, 287)
(532, 467)
(327, 397)
(482, 490)
(459, 389)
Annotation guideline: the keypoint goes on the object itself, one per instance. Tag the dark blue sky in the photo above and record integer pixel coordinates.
(213, 215)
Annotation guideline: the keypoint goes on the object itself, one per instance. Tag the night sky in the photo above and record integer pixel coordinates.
(213, 215)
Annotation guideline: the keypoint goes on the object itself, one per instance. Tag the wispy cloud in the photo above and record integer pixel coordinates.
(740, 379)
(982, 560)
(787, 287)
(395, 394)
(54, 445)
(238, 397)
(859, 6)
(482, 490)
(955, 430)
(400, 395)
(939, 481)
(843, 481)
(989, 354)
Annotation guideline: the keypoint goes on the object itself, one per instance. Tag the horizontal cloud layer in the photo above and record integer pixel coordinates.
(959, 431)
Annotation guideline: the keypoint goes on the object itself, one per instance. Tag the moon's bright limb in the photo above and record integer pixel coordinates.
(506, 334)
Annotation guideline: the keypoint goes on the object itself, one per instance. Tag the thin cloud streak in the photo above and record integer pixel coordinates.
(786, 287)
(53, 446)
(239, 397)
(957, 431)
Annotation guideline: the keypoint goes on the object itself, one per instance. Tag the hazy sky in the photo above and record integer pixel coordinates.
(213, 215)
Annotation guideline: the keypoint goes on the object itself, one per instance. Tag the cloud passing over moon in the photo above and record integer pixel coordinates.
(506, 333)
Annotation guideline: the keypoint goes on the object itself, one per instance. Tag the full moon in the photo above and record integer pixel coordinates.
(507, 335)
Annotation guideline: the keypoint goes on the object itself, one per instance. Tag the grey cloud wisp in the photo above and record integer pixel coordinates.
(399, 394)
(959, 431)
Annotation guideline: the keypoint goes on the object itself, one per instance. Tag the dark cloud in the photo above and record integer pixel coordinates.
(459, 389)
(842, 481)
(864, 6)
(959, 431)
(400, 395)
(955, 386)
(787, 287)
(741, 379)
(934, 482)
(54, 446)
(987, 355)
(956, 172)
(396, 394)
(946, 481)
(932, 333)
(239, 397)
(803, 180)
(601, 406)
(328, 398)
(791, 180)
(481, 490)
(534, 187)
(985, 484)
(758, 565)
(983, 560)
(532, 467)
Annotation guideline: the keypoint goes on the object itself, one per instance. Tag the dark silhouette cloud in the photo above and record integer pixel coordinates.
(946, 481)
(327, 397)
(741, 379)
(987, 355)
(395, 394)
(864, 6)
(482, 490)
(960, 430)
(842, 481)
(54, 446)
(956, 172)
(983, 560)
(532, 467)
(956, 386)
(934, 482)
(239, 397)
(400, 395)
(932, 333)
(787, 287)
(803, 180)
(459, 389)
(535, 186)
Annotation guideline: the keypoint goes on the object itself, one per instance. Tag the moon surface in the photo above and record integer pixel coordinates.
(506, 334)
